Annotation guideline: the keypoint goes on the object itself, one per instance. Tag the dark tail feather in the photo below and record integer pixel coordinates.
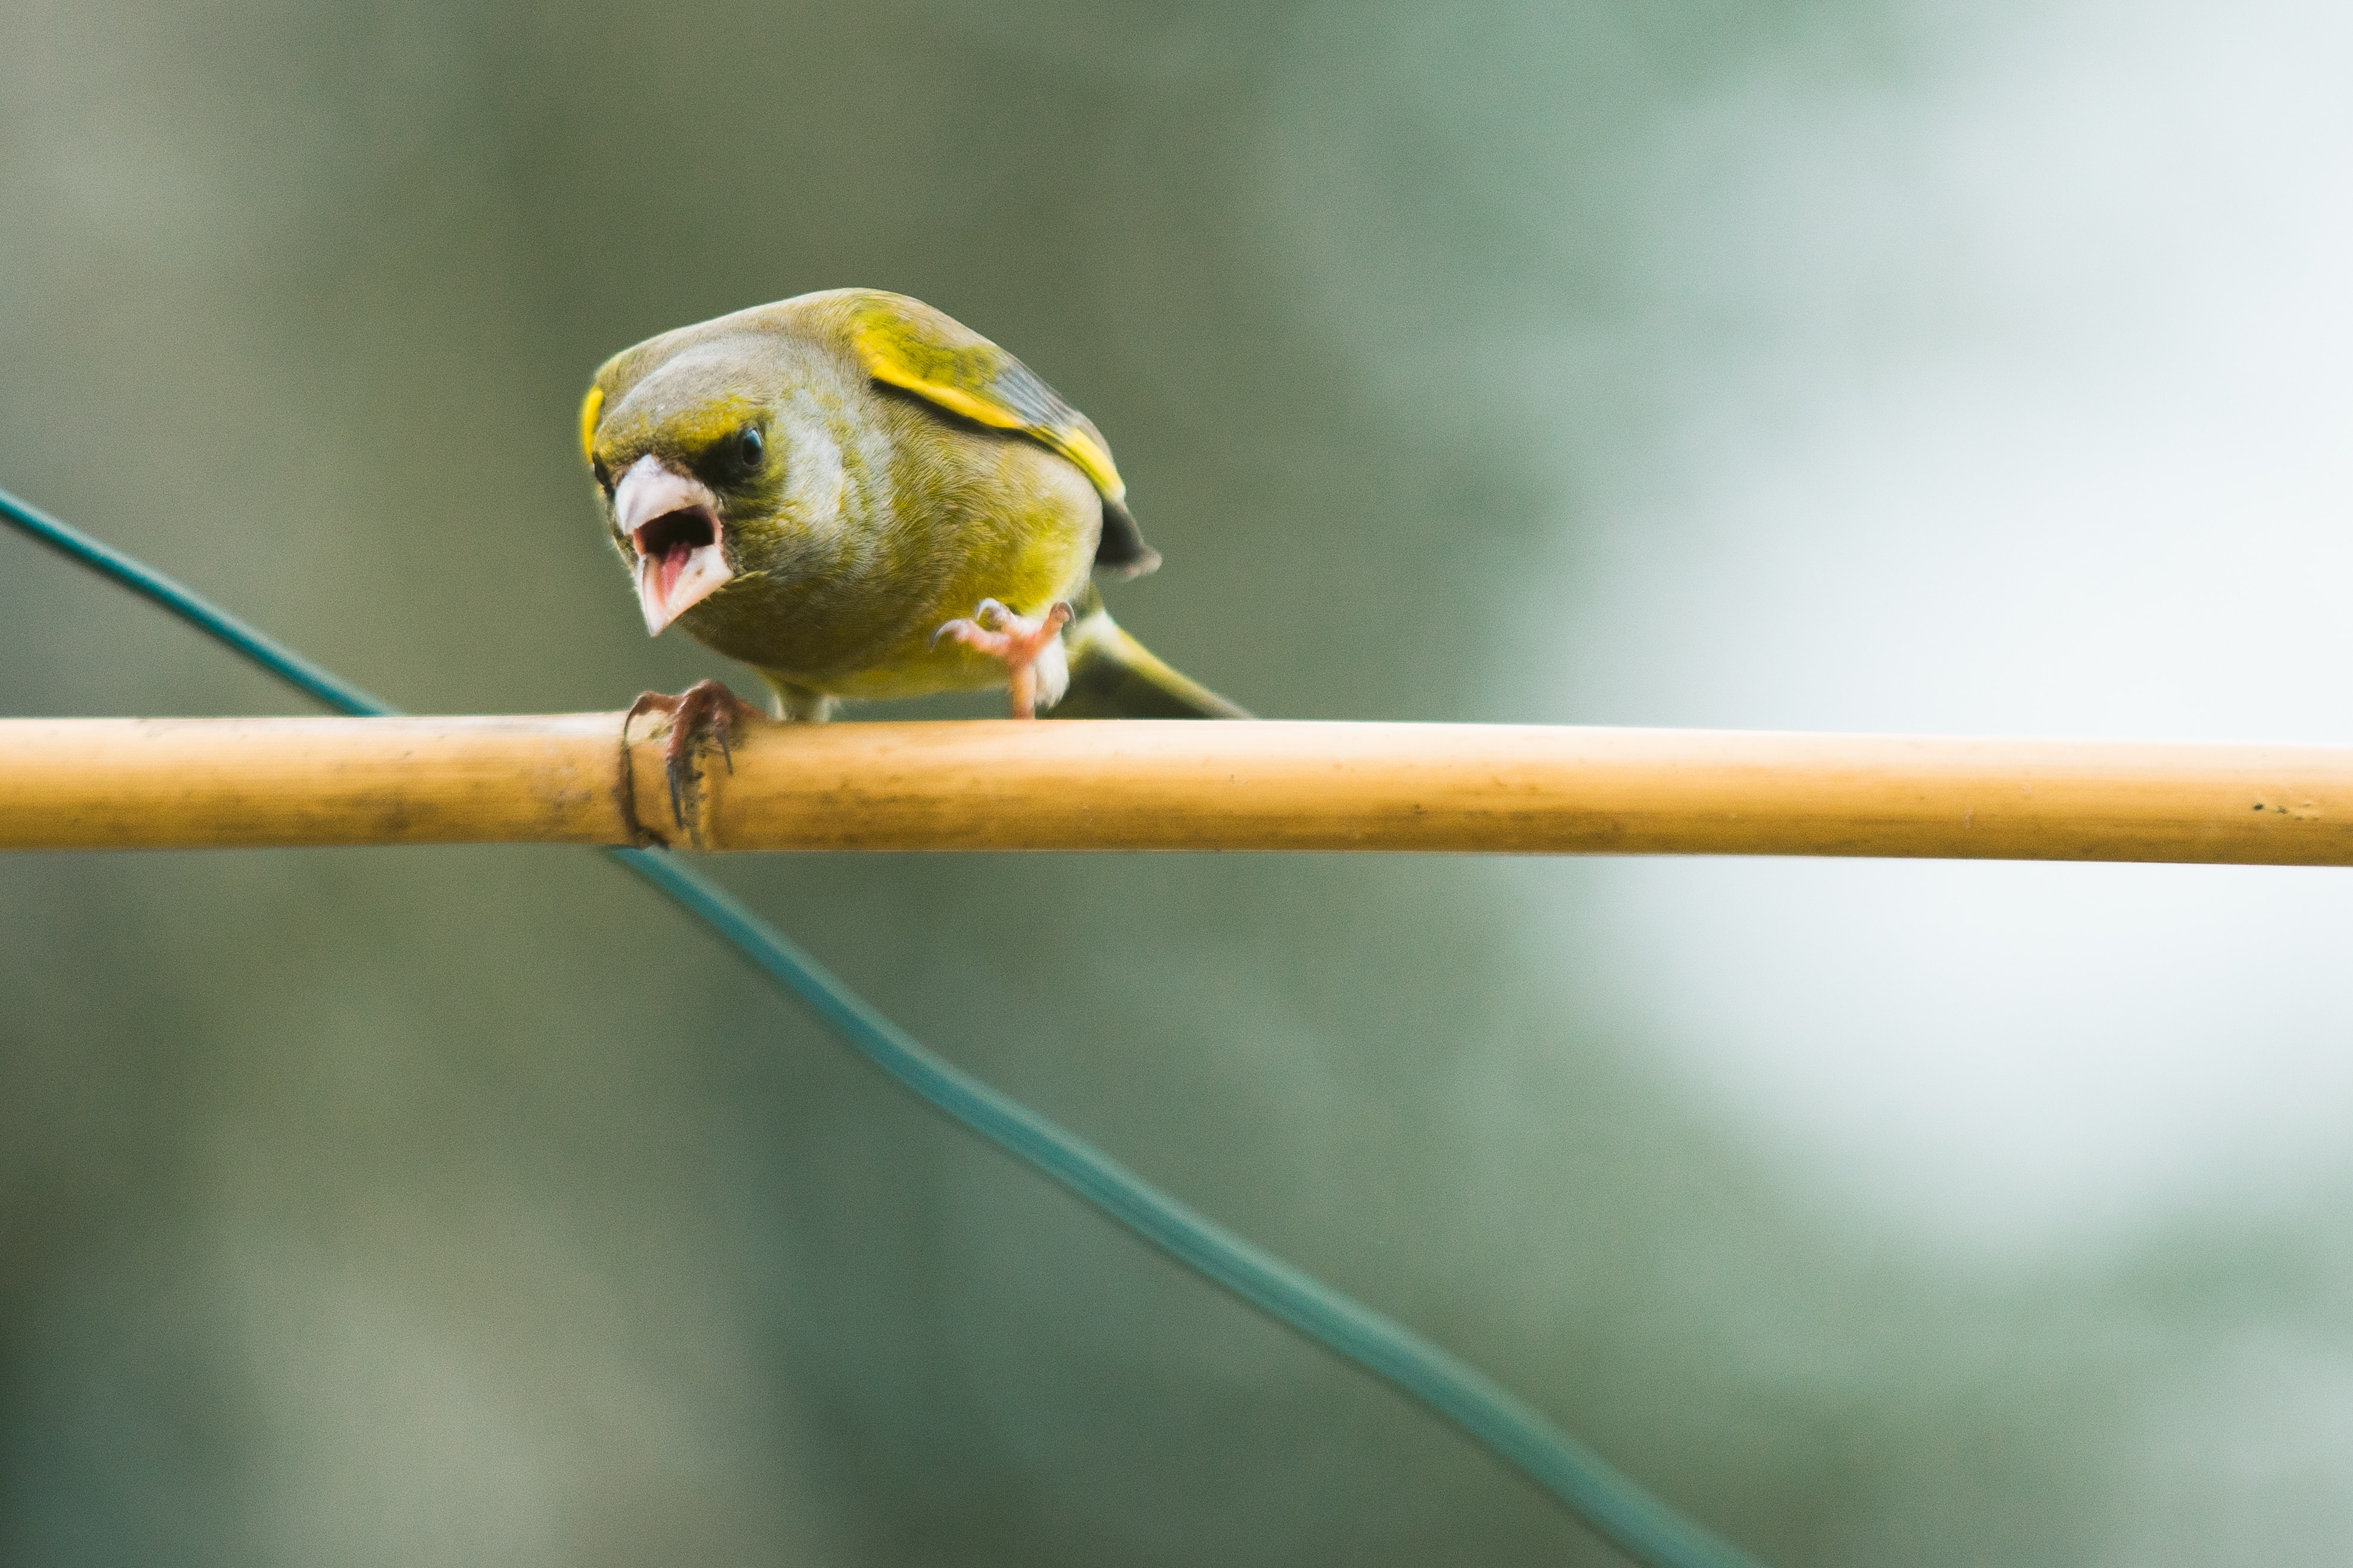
(1112, 675)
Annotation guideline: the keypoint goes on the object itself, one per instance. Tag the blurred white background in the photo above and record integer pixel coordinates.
(2027, 411)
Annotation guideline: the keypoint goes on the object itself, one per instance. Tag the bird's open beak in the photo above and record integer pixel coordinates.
(673, 522)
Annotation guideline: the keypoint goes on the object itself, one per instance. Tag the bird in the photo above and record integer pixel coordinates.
(860, 498)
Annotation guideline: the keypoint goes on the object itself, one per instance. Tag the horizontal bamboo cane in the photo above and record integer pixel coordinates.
(80, 784)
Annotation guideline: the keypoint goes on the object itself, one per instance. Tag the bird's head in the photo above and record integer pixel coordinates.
(686, 456)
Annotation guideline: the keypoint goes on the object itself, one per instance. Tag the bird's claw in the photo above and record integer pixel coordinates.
(988, 628)
(1018, 640)
(705, 713)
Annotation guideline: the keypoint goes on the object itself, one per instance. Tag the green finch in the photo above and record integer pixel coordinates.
(860, 498)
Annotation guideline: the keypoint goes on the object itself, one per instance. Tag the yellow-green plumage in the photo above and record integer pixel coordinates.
(909, 470)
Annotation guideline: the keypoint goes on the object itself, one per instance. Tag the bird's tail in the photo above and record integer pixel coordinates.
(1112, 675)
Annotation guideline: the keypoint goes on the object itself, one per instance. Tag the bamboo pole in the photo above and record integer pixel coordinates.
(186, 783)
(177, 783)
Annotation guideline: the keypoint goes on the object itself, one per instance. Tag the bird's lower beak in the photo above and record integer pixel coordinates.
(673, 522)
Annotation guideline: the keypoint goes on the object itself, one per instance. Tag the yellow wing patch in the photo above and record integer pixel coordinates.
(907, 344)
(590, 408)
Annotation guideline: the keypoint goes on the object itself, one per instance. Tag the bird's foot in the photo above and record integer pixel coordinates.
(703, 714)
(1024, 643)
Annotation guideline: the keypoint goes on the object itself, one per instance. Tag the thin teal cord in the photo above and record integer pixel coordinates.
(1506, 1425)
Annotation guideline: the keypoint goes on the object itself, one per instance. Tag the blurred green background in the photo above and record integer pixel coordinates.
(1849, 364)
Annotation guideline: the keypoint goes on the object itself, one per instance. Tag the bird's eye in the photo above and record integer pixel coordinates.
(751, 447)
(604, 475)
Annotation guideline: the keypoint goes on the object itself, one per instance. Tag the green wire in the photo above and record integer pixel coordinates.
(1511, 1428)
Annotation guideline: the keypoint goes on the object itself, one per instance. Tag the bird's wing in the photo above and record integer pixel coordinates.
(923, 351)
(906, 344)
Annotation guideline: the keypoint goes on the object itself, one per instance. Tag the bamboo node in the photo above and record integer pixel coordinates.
(625, 792)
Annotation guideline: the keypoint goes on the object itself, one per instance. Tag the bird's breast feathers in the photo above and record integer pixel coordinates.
(884, 529)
